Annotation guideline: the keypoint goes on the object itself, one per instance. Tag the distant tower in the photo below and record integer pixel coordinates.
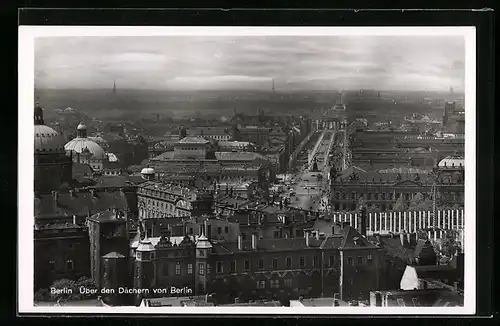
(114, 87)
(273, 86)
(378, 95)
(451, 90)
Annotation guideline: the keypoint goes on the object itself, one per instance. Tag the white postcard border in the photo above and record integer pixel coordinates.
(27, 35)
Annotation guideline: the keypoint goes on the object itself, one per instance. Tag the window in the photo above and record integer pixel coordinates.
(177, 268)
(247, 265)
(201, 268)
(350, 261)
(69, 265)
(302, 261)
(315, 261)
(276, 234)
(360, 260)
(201, 253)
(275, 263)
(233, 266)
(415, 301)
(369, 257)
(261, 284)
(52, 265)
(288, 283)
(261, 263)
(219, 267)
(275, 284)
(331, 261)
(208, 269)
(288, 262)
(190, 269)
(219, 230)
(401, 302)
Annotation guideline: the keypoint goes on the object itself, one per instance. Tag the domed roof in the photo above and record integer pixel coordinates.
(148, 171)
(81, 126)
(47, 140)
(79, 144)
(203, 243)
(452, 161)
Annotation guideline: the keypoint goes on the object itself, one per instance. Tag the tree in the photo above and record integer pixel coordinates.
(449, 244)
(400, 205)
(419, 203)
(421, 234)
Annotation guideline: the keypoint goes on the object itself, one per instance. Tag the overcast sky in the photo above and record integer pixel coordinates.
(251, 62)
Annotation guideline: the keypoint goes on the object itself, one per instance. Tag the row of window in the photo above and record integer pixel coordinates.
(191, 148)
(219, 266)
(69, 266)
(162, 205)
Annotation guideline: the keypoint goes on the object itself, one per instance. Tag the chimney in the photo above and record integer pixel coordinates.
(205, 228)
(254, 241)
(240, 242)
(306, 234)
(74, 219)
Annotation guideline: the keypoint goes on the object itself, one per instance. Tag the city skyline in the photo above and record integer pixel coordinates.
(433, 63)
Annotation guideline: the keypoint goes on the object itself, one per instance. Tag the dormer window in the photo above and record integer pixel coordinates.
(138, 255)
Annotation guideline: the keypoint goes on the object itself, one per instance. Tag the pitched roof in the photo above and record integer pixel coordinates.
(80, 204)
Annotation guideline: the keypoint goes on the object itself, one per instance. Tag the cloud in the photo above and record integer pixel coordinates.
(247, 61)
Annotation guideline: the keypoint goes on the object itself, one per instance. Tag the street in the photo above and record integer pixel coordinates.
(310, 189)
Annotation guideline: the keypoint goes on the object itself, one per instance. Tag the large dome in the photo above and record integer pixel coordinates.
(47, 140)
(452, 161)
(79, 144)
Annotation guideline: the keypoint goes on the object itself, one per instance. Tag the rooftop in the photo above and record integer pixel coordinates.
(79, 203)
(193, 140)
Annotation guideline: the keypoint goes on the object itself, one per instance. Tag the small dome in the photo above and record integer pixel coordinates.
(145, 245)
(203, 243)
(47, 140)
(452, 161)
(81, 126)
(148, 171)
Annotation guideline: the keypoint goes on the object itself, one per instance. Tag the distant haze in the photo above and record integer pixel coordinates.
(251, 62)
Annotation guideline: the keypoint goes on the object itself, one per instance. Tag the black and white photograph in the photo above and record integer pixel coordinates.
(253, 170)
